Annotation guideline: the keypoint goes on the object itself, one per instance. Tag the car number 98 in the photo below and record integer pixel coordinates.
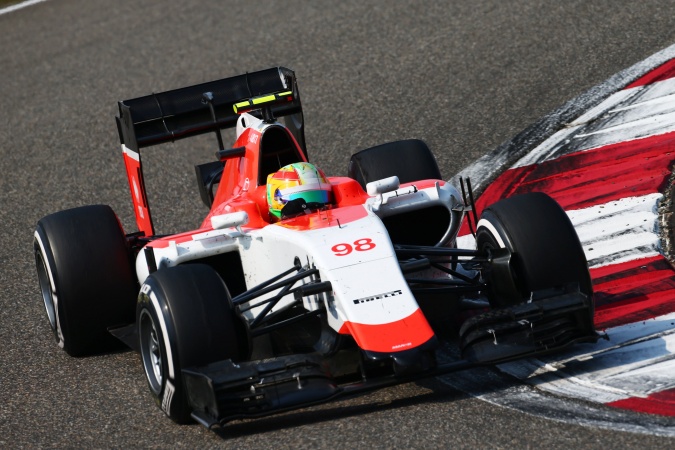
(359, 245)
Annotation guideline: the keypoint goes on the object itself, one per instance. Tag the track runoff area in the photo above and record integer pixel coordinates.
(607, 158)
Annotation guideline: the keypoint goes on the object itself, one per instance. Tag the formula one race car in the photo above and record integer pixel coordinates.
(300, 288)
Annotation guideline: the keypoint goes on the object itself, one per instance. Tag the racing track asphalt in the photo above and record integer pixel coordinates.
(464, 76)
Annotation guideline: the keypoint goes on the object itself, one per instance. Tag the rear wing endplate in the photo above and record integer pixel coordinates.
(180, 113)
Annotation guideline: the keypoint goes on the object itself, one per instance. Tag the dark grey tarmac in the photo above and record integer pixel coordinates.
(463, 76)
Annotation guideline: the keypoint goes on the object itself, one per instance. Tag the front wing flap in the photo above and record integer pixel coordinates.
(554, 319)
(225, 390)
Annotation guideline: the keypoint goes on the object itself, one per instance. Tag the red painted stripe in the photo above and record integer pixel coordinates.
(644, 278)
(640, 307)
(504, 186)
(628, 292)
(386, 337)
(138, 195)
(584, 179)
(663, 72)
(592, 177)
(661, 403)
(633, 291)
(322, 219)
(614, 271)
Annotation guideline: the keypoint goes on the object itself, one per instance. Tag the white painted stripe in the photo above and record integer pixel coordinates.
(549, 149)
(627, 115)
(593, 214)
(483, 170)
(653, 91)
(612, 102)
(653, 103)
(467, 241)
(639, 358)
(21, 5)
(637, 361)
(611, 233)
(641, 97)
(618, 231)
(501, 390)
(629, 130)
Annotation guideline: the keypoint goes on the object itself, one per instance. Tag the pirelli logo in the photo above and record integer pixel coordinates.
(378, 297)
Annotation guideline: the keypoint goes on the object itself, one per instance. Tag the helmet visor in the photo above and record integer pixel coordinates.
(322, 197)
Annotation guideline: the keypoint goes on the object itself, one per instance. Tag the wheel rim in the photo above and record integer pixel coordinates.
(151, 352)
(487, 240)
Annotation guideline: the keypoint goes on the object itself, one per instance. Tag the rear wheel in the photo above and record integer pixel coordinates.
(185, 319)
(544, 246)
(409, 160)
(86, 279)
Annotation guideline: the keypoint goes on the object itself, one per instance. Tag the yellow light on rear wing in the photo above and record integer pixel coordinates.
(262, 100)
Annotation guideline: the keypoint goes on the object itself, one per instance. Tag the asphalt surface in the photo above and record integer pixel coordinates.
(463, 76)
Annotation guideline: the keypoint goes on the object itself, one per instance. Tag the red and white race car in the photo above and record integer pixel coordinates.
(300, 288)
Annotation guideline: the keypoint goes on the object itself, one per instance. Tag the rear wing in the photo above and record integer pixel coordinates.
(172, 115)
(208, 107)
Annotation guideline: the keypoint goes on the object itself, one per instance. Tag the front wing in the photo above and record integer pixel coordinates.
(227, 390)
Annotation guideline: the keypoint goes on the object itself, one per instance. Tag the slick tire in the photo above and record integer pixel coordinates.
(409, 160)
(544, 246)
(185, 319)
(86, 279)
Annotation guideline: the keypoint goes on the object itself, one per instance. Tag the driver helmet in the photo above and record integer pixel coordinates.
(295, 181)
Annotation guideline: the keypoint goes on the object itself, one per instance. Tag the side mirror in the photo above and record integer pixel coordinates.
(382, 186)
(230, 220)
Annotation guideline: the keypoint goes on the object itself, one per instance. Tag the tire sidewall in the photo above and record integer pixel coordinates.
(91, 281)
(545, 248)
(490, 233)
(171, 397)
(191, 309)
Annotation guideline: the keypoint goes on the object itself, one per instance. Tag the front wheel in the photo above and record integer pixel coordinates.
(184, 319)
(544, 246)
